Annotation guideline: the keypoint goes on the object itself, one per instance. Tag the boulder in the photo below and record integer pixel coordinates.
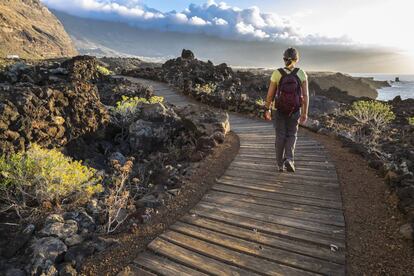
(204, 121)
(45, 253)
(147, 136)
(59, 229)
(187, 54)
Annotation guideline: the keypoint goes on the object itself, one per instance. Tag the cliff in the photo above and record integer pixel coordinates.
(28, 29)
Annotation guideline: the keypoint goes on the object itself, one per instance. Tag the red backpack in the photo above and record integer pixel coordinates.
(289, 92)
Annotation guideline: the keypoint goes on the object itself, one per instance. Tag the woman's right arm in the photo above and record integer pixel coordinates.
(269, 99)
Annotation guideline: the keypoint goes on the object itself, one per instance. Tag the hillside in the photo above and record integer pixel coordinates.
(28, 29)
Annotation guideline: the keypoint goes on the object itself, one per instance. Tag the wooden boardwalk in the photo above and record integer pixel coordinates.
(255, 220)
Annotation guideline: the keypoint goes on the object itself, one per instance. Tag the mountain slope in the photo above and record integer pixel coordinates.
(30, 30)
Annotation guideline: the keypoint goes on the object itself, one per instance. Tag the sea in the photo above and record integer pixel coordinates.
(404, 88)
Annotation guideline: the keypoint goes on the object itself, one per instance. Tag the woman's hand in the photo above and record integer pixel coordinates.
(268, 115)
(303, 118)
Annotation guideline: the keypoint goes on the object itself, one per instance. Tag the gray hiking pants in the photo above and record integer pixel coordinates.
(286, 135)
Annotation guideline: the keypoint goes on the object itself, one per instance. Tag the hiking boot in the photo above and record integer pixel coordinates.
(290, 167)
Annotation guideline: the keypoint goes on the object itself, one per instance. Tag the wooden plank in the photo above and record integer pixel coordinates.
(192, 259)
(277, 255)
(301, 163)
(293, 185)
(280, 176)
(283, 231)
(276, 196)
(283, 190)
(245, 261)
(133, 270)
(277, 204)
(330, 230)
(164, 266)
(302, 248)
(301, 170)
(232, 201)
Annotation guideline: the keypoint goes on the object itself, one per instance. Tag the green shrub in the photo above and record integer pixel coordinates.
(411, 121)
(127, 109)
(206, 88)
(41, 178)
(103, 70)
(371, 112)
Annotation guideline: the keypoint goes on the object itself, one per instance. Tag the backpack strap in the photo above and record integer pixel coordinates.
(282, 72)
(295, 71)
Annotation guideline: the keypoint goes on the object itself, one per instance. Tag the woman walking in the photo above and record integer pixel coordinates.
(288, 90)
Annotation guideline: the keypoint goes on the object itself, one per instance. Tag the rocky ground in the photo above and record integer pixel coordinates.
(331, 95)
(139, 145)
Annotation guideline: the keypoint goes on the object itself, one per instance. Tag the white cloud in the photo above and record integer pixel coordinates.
(218, 19)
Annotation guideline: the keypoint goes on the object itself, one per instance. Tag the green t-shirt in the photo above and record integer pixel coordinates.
(276, 76)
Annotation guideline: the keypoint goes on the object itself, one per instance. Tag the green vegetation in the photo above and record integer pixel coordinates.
(260, 102)
(411, 121)
(371, 112)
(373, 118)
(129, 104)
(103, 70)
(127, 109)
(206, 88)
(44, 179)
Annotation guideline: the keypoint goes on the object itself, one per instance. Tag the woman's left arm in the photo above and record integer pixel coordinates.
(305, 102)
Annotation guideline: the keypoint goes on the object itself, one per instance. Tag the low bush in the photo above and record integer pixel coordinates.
(208, 88)
(411, 121)
(103, 70)
(372, 117)
(371, 112)
(42, 179)
(127, 109)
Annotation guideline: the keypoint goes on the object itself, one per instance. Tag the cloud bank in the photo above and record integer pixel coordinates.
(211, 18)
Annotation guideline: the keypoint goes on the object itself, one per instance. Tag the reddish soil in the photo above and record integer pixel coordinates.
(374, 244)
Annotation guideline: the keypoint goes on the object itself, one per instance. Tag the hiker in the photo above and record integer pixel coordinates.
(289, 90)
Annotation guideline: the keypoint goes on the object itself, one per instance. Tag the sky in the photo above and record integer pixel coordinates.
(354, 23)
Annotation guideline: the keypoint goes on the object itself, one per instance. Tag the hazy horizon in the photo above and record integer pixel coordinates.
(105, 38)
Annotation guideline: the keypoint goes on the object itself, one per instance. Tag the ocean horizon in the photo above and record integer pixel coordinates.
(404, 88)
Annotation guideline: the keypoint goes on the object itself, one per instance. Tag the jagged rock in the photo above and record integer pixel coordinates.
(67, 270)
(187, 54)
(117, 156)
(46, 252)
(73, 240)
(204, 121)
(158, 112)
(76, 254)
(54, 218)
(205, 144)
(147, 136)
(319, 105)
(59, 229)
(83, 219)
(50, 114)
